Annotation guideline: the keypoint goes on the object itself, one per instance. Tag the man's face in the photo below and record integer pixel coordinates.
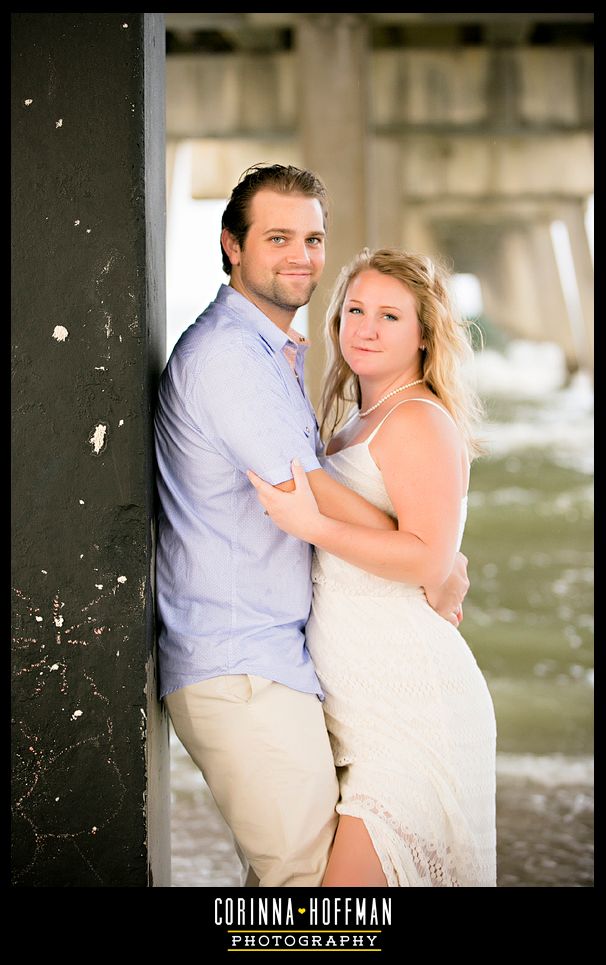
(282, 258)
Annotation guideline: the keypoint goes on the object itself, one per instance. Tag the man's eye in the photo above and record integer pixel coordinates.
(314, 241)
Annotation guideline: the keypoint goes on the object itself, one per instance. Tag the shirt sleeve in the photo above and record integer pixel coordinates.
(242, 406)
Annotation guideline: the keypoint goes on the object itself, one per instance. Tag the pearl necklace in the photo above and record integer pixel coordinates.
(389, 395)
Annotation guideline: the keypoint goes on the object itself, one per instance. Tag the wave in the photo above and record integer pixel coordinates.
(551, 770)
(523, 369)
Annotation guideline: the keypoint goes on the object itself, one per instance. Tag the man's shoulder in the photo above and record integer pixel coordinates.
(216, 344)
(214, 332)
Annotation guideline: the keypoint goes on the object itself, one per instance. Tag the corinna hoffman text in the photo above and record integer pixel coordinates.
(304, 912)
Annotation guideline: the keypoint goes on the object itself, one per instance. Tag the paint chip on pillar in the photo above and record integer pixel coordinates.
(98, 439)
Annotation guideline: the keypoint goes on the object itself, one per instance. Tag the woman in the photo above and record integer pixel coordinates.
(408, 711)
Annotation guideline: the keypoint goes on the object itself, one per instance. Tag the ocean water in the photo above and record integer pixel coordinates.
(528, 620)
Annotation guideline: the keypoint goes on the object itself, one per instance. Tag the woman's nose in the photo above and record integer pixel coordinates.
(367, 327)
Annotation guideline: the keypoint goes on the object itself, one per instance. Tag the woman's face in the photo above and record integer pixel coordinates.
(380, 333)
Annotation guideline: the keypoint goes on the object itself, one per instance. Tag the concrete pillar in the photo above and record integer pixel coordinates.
(573, 216)
(545, 269)
(520, 304)
(332, 77)
(513, 301)
(90, 745)
(416, 230)
(385, 191)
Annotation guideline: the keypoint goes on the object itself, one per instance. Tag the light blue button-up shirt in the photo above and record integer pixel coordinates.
(233, 591)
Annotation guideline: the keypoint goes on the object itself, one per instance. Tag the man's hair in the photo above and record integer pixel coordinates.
(274, 177)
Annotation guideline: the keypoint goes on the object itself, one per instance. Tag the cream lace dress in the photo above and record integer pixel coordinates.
(409, 715)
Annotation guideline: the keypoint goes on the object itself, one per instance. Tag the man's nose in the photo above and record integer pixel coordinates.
(298, 253)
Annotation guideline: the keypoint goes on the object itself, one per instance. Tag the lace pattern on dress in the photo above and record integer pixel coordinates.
(433, 862)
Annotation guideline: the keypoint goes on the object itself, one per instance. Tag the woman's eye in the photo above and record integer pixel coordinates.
(392, 318)
(355, 311)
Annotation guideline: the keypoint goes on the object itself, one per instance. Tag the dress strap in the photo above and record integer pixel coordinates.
(403, 402)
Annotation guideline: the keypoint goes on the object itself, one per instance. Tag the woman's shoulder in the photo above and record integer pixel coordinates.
(425, 410)
(418, 434)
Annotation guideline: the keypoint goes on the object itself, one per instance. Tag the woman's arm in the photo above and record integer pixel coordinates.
(418, 452)
(339, 502)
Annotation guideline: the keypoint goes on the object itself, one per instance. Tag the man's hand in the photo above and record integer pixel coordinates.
(447, 599)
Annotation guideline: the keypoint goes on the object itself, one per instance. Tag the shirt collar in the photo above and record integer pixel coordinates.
(254, 318)
(299, 340)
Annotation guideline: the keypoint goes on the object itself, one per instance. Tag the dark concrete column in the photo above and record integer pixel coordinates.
(90, 745)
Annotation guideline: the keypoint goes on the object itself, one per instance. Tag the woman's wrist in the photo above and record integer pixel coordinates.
(319, 529)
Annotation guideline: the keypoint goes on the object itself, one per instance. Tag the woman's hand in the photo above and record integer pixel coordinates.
(447, 599)
(297, 512)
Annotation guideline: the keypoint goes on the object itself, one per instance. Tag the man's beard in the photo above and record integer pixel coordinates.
(284, 297)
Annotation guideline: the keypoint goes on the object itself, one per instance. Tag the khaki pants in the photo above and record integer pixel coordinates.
(264, 752)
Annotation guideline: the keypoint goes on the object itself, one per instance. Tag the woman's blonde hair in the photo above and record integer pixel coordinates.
(445, 335)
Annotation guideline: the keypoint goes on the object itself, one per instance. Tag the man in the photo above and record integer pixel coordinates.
(233, 591)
